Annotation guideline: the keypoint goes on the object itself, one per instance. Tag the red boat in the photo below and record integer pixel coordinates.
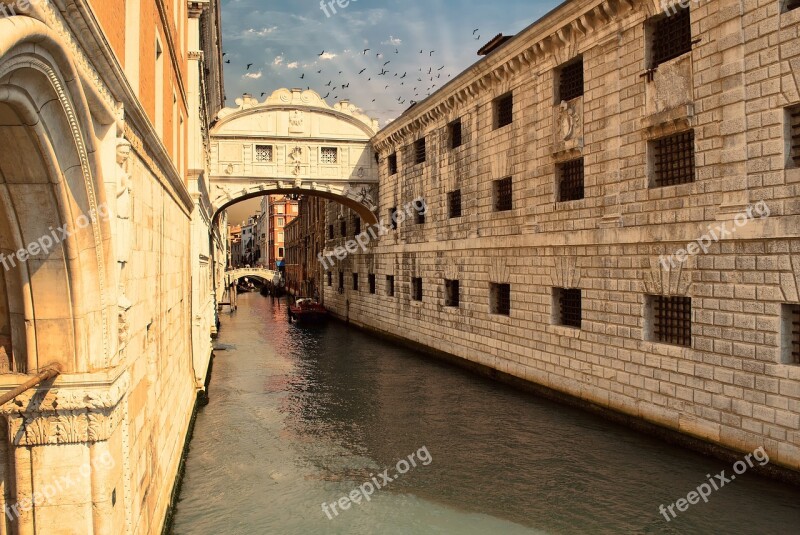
(307, 311)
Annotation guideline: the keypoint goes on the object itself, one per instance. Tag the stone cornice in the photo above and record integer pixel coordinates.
(563, 27)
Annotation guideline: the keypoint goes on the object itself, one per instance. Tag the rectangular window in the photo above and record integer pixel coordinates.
(451, 294)
(159, 88)
(790, 334)
(454, 204)
(263, 153)
(500, 299)
(341, 282)
(390, 285)
(504, 110)
(393, 217)
(330, 232)
(343, 228)
(416, 289)
(793, 133)
(672, 36)
(371, 280)
(570, 180)
(281, 222)
(673, 159)
(792, 4)
(330, 279)
(419, 216)
(454, 131)
(419, 151)
(567, 307)
(355, 282)
(280, 252)
(671, 319)
(393, 164)
(503, 195)
(329, 155)
(570, 81)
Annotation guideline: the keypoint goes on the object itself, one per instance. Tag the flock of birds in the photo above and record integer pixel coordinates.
(413, 86)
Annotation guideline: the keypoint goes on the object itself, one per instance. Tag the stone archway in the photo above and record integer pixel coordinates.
(54, 220)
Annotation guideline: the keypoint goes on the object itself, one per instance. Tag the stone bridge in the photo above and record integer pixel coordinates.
(294, 143)
(267, 275)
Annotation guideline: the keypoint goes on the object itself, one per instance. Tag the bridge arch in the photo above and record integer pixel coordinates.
(294, 143)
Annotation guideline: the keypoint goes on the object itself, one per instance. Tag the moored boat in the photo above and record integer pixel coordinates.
(307, 310)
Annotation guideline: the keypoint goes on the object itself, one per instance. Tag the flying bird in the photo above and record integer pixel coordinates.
(440, 68)
(478, 38)
(262, 95)
(224, 54)
(432, 51)
(366, 50)
(326, 96)
(362, 71)
(388, 62)
(329, 83)
(227, 61)
(321, 53)
(249, 65)
(475, 31)
(383, 72)
(302, 76)
(404, 75)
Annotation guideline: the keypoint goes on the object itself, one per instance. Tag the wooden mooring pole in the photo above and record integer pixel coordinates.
(47, 373)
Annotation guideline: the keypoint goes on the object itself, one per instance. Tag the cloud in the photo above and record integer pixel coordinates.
(395, 41)
(277, 61)
(262, 32)
(327, 55)
(254, 75)
(293, 65)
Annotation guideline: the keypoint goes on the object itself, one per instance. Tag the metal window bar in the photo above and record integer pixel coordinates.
(390, 285)
(569, 301)
(451, 293)
(454, 203)
(570, 84)
(505, 110)
(330, 155)
(502, 299)
(393, 164)
(503, 195)
(672, 37)
(456, 139)
(371, 278)
(794, 321)
(416, 289)
(794, 122)
(419, 151)
(673, 320)
(571, 175)
(263, 153)
(674, 159)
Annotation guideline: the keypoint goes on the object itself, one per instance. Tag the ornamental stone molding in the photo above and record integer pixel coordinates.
(80, 412)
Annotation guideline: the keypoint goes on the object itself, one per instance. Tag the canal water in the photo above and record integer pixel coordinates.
(304, 417)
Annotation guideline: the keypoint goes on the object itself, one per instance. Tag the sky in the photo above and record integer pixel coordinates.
(425, 42)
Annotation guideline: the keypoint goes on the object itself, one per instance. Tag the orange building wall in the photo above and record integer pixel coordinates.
(111, 16)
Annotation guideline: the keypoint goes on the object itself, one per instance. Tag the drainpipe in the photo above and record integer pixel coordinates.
(47, 373)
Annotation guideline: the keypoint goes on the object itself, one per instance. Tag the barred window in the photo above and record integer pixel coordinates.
(503, 195)
(454, 203)
(451, 298)
(570, 180)
(371, 280)
(419, 151)
(570, 81)
(672, 319)
(341, 281)
(567, 303)
(454, 130)
(673, 159)
(263, 153)
(355, 282)
(672, 36)
(500, 299)
(419, 216)
(790, 348)
(330, 155)
(330, 232)
(343, 229)
(504, 110)
(393, 163)
(792, 4)
(356, 226)
(393, 217)
(416, 289)
(330, 279)
(390, 285)
(793, 132)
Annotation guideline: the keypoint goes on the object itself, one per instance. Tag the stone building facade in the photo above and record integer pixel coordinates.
(612, 213)
(305, 241)
(106, 227)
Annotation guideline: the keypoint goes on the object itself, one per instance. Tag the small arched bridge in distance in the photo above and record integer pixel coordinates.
(266, 275)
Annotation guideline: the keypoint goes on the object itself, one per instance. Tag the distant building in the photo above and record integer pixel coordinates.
(282, 210)
(305, 240)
